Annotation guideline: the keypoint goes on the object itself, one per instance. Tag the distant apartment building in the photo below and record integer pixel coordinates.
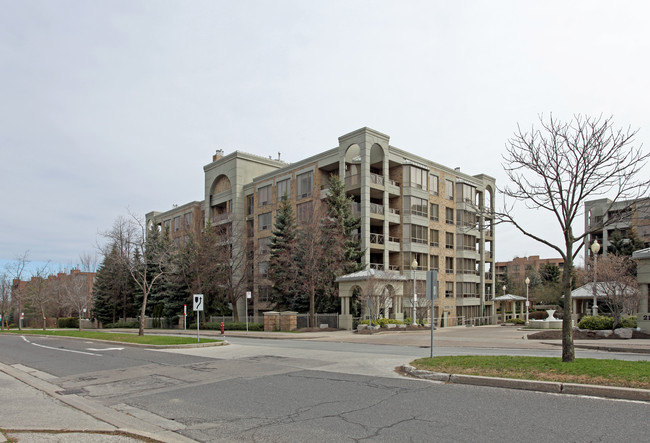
(410, 208)
(517, 268)
(603, 218)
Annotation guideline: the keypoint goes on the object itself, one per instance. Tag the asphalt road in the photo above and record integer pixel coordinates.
(293, 390)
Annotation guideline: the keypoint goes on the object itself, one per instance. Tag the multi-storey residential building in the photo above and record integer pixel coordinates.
(410, 208)
(517, 268)
(603, 217)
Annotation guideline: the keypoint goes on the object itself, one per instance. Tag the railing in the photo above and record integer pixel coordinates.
(393, 239)
(353, 180)
(451, 246)
(377, 238)
(376, 209)
(393, 268)
(449, 221)
(376, 179)
(221, 217)
(377, 266)
(488, 276)
(393, 211)
(434, 244)
(434, 218)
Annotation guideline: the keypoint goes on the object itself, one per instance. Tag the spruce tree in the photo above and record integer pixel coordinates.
(340, 208)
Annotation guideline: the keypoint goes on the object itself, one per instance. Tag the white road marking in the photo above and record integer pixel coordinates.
(60, 349)
(105, 349)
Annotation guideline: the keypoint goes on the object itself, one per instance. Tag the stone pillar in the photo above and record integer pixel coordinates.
(271, 321)
(643, 277)
(288, 321)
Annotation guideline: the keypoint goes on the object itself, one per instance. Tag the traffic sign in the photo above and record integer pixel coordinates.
(198, 302)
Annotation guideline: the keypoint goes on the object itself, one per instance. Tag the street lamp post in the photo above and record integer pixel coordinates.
(527, 283)
(414, 266)
(595, 247)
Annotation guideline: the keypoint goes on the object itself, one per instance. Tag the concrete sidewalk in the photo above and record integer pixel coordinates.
(36, 411)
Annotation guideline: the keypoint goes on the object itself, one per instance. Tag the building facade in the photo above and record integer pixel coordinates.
(603, 217)
(517, 268)
(411, 209)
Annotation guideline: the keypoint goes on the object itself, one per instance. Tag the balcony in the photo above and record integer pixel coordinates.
(377, 266)
(377, 239)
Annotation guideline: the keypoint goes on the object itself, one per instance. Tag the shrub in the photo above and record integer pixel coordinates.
(599, 322)
(516, 321)
(628, 322)
(537, 315)
(122, 324)
(68, 322)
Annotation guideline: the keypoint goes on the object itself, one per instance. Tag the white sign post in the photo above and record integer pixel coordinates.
(198, 307)
(248, 295)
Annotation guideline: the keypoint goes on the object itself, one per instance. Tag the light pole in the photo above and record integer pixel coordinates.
(527, 283)
(595, 247)
(414, 266)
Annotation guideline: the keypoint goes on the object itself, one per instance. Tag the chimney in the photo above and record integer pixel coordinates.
(218, 155)
(278, 156)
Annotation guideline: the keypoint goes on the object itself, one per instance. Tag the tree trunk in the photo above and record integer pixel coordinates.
(142, 317)
(568, 350)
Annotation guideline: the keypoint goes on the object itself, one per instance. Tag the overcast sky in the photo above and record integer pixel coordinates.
(109, 105)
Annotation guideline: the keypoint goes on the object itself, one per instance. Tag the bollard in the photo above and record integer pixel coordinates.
(221, 328)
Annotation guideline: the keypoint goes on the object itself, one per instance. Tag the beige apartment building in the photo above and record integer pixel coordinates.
(410, 208)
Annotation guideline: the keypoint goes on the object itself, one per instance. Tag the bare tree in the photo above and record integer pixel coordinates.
(16, 270)
(378, 293)
(146, 253)
(560, 166)
(5, 300)
(74, 291)
(88, 262)
(39, 293)
(616, 281)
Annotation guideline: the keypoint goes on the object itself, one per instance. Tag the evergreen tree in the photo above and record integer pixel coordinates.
(283, 266)
(113, 290)
(619, 245)
(340, 209)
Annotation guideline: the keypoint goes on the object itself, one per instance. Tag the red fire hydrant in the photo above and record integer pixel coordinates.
(221, 328)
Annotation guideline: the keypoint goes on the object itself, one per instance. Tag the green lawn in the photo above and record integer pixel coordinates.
(630, 374)
(120, 337)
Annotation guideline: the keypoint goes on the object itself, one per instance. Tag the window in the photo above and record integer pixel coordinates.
(434, 210)
(434, 238)
(168, 225)
(264, 221)
(250, 202)
(449, 189)
(467, 218)
(265, 245)
(449, 216)
(177, 223)
(187, 220)
(449, 240)
(249, 228)
(466, 242)
(415, 177)
(264, 293)
(449, 265)
(263, 268)
(284, 189)
(467, 193)
(449, 289)
(465, 266)
(415, 234)
(467, 290)
(264, 195)
(415, 206)
(434, 262)
(433, 184)
(422, 260)
(304, 212)
(305, 184)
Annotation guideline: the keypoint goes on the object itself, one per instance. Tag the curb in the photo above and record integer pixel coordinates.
(532, 385)
(604, 348)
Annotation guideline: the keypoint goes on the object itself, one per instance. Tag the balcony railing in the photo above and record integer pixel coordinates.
(393, 239)
(377, 266)
(376, 209)
(377, 238)
(353, 180)
(376, 179)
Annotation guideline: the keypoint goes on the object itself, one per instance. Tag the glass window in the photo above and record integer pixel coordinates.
(434, 262)
(415, 234)
(415, 177)
(187, 219)
(264, 293)
(264, 221)
(433, 184)
(434, 210)
(263, 268)
(265, 245)
(415, 206)
(250, 201)
(304, 212)
(177, 223)
(434, 235)
(305, 184)
(168, 225)
(449, 216)
(284, 189)
(449, 189)
(264, 195)
(449, 289)
(449, 240)
(449, 265)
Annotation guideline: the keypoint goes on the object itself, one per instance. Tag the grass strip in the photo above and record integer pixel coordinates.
(620, 373)
(119, 337)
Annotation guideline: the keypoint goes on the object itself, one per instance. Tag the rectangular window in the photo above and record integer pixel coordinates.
(304, 212)
(415, 177)
(433, 184)
(264, 195)
(422, 260)
(249, 228)
(449, 240)
(449, 216)
(449, 289)
(177, 223)
(284, 189)
(415, 206)
(168, 225)
(434, 210)
(264, 221)
(434, 239)
(264, 293)
(449, 265)
(305, 184)
(263, 269)
(187, 219)
(434, 262)
(250, 202)
(466, 192)
(415, 234)
(449, 189)
(265, 245)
